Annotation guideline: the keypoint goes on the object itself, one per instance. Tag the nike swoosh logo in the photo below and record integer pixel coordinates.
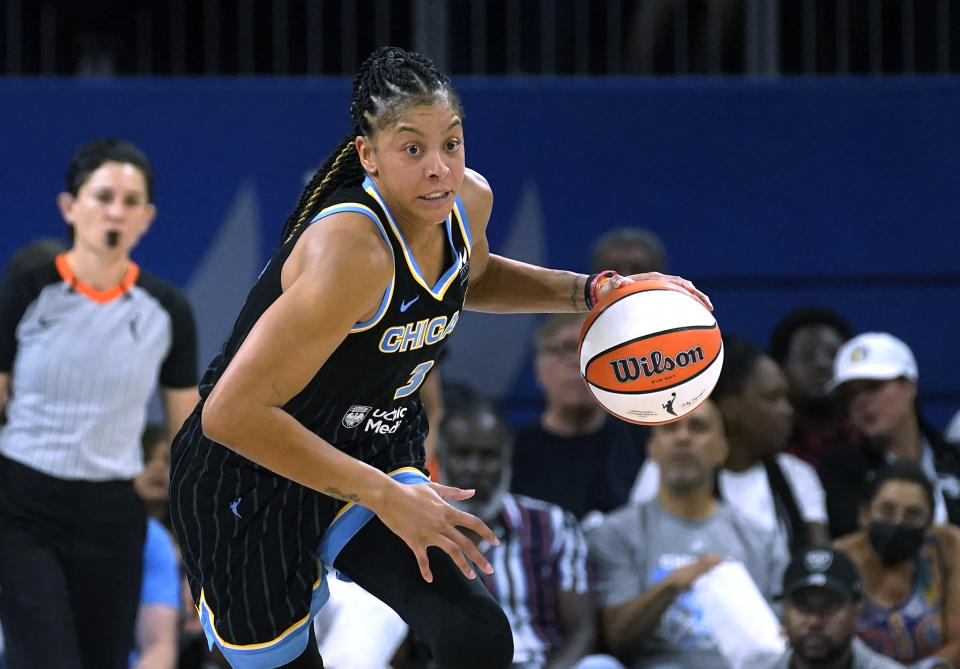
(406, 305)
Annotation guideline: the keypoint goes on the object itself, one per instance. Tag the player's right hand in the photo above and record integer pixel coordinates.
(419, 515)
(618, 281)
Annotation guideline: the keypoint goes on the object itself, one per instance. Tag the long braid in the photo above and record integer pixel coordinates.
(388, 82)
(336, 170)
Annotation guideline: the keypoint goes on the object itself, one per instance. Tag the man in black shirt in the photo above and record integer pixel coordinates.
(574, 455)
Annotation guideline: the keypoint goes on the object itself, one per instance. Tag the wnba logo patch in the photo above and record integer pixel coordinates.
(355, 415)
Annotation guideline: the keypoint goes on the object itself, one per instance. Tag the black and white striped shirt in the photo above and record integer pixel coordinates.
(542, 551)
(83, 365)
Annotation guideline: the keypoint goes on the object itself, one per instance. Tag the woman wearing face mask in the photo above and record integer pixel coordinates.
(910, 570)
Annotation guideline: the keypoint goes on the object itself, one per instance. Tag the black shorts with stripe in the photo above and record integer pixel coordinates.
(249, 536)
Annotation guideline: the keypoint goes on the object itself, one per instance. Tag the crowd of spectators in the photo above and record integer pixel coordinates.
(808, 489)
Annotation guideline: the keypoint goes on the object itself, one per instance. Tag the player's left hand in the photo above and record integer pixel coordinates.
(617, 281)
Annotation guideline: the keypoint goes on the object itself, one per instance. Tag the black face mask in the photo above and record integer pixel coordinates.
(895, 543)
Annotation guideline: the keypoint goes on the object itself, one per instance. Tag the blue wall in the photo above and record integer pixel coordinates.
(769, 194)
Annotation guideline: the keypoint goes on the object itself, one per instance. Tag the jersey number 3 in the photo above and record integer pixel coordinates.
(416, 378)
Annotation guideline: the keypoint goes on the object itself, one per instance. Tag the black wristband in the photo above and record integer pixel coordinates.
(586, 291)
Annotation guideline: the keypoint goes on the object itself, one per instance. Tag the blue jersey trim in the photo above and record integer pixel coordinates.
(353, 517)
(277, 652)
(464, 223)
(446, 279)
(388, 293)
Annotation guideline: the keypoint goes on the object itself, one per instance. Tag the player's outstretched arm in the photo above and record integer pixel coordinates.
(502, 285)
(323, 297)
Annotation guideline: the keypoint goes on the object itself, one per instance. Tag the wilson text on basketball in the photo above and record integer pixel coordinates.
(654, 364)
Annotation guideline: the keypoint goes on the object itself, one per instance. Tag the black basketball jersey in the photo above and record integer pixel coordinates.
(364, 398)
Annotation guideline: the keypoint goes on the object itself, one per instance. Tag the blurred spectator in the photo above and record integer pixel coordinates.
(876, 375)
(776, 490)
(163, 586)
(540, 576)
(804, 344)
(156, 638)
(648, 556)
(628, 251)
(72, 528)
(575, 455)
(821, 607)
(153, 483)
(156, 643)
(909, 570)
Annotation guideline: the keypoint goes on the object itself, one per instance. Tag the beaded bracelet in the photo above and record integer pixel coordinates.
(592, 287)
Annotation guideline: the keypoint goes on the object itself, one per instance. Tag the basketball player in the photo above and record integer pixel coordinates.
(300, 453)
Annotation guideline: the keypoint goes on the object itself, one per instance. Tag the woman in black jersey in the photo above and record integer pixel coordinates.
(299, 456)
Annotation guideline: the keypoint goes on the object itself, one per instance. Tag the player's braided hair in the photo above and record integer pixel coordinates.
(389, 81)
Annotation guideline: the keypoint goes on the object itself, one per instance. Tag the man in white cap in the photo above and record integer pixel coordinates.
(876, 375)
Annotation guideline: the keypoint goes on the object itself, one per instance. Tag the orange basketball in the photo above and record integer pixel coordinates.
(650, 352)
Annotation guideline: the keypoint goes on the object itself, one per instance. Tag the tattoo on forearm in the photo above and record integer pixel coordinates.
(576, 295)
(339, 494)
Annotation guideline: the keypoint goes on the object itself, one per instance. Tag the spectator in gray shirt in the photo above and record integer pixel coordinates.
(823, 601)
(647, 556)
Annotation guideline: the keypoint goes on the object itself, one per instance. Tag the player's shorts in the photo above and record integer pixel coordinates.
(257, 549)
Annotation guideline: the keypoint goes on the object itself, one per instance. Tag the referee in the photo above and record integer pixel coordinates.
(85, 337)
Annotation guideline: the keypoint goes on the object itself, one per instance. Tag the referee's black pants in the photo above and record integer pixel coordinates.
(71, 565)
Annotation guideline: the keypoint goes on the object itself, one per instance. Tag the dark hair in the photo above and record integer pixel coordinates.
(92, 155)
(802, 317)
(628, 236)
(908, 471)
(740, 358)
(390, 80)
